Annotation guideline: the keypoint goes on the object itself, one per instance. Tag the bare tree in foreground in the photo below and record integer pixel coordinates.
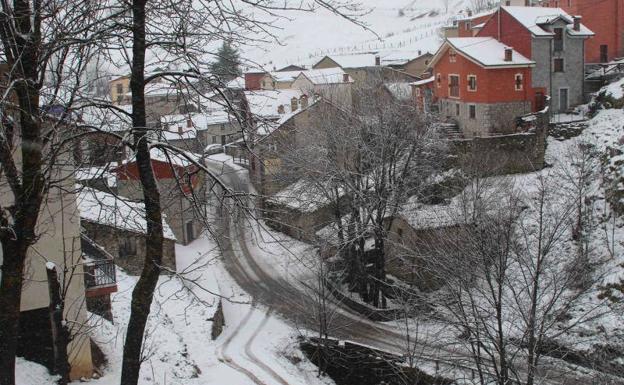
(509, 279)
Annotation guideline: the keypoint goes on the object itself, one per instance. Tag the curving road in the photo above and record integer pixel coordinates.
(292, 302)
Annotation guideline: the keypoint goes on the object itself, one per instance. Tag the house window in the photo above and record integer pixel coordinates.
(472, 111)
(190, 234)
(452, 56)
(472, 83)
(519, 82)
(119, 98)
(214, 139)
(119, 88)
(222, 127)
(457, 109)
(558, 39)
(604, 53)
(127, 247)
(454, 86)
(400, 233)
(439, 80)
(558, 64)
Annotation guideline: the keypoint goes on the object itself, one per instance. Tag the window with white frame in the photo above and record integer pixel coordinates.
(519, 82)
(472, 83)
(454, 86)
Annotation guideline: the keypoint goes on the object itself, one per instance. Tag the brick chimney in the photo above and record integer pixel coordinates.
(294, 104)
(508, 54)
(577, 23)
(345, 78)
(189, 123)
(377, 60)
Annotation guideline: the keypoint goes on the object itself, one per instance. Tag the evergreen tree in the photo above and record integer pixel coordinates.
(227, 64)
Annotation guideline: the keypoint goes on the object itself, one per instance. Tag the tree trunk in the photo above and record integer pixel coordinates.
(10, 298)
(60, 334)
(144, 290)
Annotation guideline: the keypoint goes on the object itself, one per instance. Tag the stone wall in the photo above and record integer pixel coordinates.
(503, 154)
(490, 118)
(109, 238)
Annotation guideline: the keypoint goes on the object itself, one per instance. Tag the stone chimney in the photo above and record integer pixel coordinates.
(508, 54)
(577, 23)
(180, 131)
(303, 101)
(189, 123)
(419, 53)
(280, 109)
(294, 104)
(377, 60)
(470, 13)
(345, 78)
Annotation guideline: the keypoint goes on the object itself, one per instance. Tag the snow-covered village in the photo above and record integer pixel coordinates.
(312, 192)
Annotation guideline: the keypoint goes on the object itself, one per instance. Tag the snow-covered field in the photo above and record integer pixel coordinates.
(391, 26)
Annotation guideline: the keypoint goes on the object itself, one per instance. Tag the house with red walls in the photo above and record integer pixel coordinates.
(551, 38)
(182, 186)
(606, 19)
(482, 85)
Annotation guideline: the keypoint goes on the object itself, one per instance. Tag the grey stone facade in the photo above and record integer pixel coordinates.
(572, 77)
(490, 118)
(110, 238)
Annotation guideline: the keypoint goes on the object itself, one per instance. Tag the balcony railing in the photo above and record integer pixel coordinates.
(99, 273)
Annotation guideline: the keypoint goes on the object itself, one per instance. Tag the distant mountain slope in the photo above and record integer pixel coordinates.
(394, 25)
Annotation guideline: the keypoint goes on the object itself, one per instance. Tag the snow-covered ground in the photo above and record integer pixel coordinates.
(256, 347)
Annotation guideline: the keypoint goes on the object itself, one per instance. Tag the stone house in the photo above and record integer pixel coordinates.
(411, 63)
(468, 25)
(552, 39)
(182, 186)
(332, 84)
(606, 19)
(118, 225)
(300, 210)
(482, 85)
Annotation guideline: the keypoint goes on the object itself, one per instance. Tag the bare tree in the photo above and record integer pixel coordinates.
(46, 47)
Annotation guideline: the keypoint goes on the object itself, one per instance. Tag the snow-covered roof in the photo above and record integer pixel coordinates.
(90, 173)
(533, 17)
(401, 90)
(476, 15)
(264, 103)
(423, 81)
(302, 196)
(199, 121)
(167, 156)
(236, 84)
(353, 60)
(400, 57)
(285, 76)
(485, 51)
(107, 209)
(326, 76)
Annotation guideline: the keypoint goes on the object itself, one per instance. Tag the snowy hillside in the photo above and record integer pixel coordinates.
(392, 25)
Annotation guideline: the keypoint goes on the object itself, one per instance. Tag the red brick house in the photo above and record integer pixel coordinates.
(606, 19)
(482, 85)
